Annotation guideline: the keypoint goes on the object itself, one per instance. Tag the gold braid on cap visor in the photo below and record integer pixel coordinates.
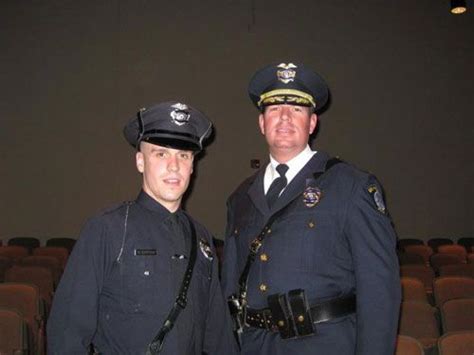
(290, 96)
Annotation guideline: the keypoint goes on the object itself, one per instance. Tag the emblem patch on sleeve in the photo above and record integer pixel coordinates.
(206, 249)
(378, 199)
(311, 196)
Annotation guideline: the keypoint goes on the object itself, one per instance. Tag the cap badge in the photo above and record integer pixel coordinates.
(312, 196)
(180, 114)
(206, 249)
(287, 74)
(378, 199)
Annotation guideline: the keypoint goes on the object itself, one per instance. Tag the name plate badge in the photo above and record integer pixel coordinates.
(144, 252)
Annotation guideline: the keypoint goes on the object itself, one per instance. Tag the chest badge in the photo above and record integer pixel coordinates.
(206, 249)
(312, 196)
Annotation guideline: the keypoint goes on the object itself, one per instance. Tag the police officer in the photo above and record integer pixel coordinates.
(124, 289)
(322, 275)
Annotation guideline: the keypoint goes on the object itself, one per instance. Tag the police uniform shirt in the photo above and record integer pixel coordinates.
(332, 243)
(118, 288)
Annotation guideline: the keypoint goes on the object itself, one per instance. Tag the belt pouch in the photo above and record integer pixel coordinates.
(301, 312)
(281, 315)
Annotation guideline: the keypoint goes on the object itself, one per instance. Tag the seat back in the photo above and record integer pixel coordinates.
(450, 287)
(440, 259)
(13, 252)
(421, 272)
(5, 263)
(27, 242)
(13, 331)
(453, 249)
(58, 252)
(466, 270)
(36, 275)
(434, 243)
(67, 243)
(50, 262)
(419, 320)
(405, 258)
(467, 243)
(456, 343)
(408, 346)
(457, 315)
(413, 290)
(25, 298)
(402, 243)
(423, 250)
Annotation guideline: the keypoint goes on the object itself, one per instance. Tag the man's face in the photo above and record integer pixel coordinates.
(166, 173)
(287, 129)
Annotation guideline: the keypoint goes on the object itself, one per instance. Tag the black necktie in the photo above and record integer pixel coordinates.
(277, 185)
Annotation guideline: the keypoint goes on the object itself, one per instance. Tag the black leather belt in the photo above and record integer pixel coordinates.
(321, 312)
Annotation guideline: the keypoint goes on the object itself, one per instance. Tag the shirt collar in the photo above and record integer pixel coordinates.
(294, 165)
(150, 203)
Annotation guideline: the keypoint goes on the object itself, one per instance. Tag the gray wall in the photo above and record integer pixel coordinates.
(73, 72)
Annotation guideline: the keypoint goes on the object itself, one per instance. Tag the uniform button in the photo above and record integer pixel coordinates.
(281, 323)
(311, 224)
(269, 231)
(236, 231)
(301, 318)
(263, 287)
(264, 257)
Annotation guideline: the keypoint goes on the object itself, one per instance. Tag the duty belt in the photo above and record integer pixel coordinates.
(321, 312)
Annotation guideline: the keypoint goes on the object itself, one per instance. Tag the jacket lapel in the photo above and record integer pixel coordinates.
(256, 194)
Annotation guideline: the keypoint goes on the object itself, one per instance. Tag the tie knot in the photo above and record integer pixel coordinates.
(282, 169)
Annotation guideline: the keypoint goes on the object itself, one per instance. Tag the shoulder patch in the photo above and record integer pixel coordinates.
(374, 191)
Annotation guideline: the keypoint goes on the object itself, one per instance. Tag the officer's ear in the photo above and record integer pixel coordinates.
(261, 123)
(313, 123)
(140, 162)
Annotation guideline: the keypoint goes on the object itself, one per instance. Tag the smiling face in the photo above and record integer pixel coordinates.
(287, 129)
(166, 173)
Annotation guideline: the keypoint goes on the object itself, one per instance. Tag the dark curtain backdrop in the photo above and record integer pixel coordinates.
(73, 72)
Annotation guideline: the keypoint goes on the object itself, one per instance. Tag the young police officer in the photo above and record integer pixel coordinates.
(322, 275)
(143, 275)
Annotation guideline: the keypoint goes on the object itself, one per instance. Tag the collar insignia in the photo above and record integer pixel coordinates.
(287, 74)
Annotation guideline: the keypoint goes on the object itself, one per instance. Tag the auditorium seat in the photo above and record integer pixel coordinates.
(59, 252)
(25, 298)
(413, 290)
(410, 259)
(421, 272)
(423, 250)
(434, 243)
(456, 343)
(5, 263)
(467, 243)
(408, 346)
(466, 270)
(50, 262)
(437, 260)
(457, 315)
(13, 333)
(419, 320)
(67, 243)
(402, 243)
(450, 287)
(27, 242)
(453, 249)
(36, 275)
(13, 252)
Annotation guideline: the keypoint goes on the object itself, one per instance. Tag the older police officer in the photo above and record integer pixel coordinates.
(143, 276)
(310, 262)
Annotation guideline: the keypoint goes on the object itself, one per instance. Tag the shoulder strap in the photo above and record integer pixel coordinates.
(258, 241)
(181, 300)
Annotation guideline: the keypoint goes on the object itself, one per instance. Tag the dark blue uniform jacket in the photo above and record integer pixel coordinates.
(118, 289)
(343, 245)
